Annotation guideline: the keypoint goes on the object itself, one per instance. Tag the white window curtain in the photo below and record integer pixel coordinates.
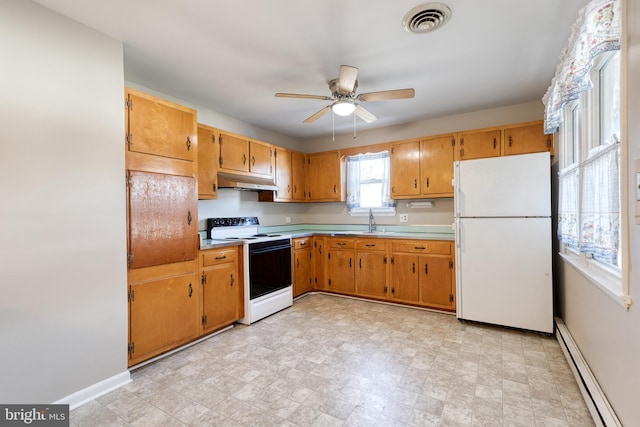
(353, 179)
(597, 30)
(568, 215)
(600, 229)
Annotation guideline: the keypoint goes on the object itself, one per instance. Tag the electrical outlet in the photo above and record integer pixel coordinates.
(404, 217)
(287, 219)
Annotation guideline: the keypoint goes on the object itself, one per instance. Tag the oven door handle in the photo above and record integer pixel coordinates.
(268, 249)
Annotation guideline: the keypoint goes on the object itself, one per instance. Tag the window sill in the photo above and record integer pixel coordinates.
(374, 211)
(609, 283)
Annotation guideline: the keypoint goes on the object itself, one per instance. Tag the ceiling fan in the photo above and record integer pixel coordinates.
(345, 100)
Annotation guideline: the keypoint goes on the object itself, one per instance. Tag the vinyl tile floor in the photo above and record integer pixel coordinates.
(332, 361)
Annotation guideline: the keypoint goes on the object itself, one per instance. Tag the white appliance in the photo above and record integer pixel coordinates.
(503, 241)
(266, 262)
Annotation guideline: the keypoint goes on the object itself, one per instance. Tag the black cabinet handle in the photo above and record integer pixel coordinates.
(190, 290)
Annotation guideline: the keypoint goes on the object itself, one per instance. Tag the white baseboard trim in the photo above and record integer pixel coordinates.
(96, 390)
(601, 411)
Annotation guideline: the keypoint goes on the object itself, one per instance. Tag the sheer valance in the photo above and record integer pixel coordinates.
(597, 30)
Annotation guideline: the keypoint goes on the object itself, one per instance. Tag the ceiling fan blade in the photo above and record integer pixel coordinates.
(387, 94)
(298, 95)
(365, 114)
(347, 80)
(317, 115)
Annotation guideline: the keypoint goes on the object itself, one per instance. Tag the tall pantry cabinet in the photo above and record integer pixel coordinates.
(162, 217)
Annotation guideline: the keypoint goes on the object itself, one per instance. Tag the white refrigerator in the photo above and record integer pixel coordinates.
(503, 241)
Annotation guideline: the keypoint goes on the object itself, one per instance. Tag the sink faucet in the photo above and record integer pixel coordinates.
(372, 222)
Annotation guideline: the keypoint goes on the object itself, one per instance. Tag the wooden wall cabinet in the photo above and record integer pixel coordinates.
(405, 170)
(479, 144)
(437, 156)
(326, 177)
(526, 138)
(222, 287)
(240, 155)
(298, 177)
(422, 169)
(302, 248)
(207, 162)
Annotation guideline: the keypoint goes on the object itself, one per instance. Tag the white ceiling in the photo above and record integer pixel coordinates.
(232, 56)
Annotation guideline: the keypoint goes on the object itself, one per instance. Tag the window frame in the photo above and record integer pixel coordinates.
(578, 139)
(380, 210)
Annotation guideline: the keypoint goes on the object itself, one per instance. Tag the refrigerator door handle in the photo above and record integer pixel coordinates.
(458, 236)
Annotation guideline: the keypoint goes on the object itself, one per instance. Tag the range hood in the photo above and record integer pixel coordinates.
(247, 183)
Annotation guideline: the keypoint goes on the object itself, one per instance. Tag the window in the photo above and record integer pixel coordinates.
(589, 179)
(368, 184)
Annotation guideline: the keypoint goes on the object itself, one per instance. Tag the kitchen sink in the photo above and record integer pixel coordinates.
(366, 233)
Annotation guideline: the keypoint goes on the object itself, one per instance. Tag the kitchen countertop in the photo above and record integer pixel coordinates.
(420, 232)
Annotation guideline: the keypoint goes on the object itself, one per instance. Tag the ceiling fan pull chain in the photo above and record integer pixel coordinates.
(355, 136)
(333, 126)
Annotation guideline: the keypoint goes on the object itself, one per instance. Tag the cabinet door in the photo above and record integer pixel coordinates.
(207, 163)
(162, 315)
(405, 285)
(234, 153)
(299, 192)
(341, 271)
(220, 302)
(371, 274)
(261, 158)
(319, 255)
(163, 219)
(324, 177)
(436, 284)
(527, 139)
(283, 175)
(436, 155)
(405, 169)
(160, 127)
(475, 145)
(302, 271)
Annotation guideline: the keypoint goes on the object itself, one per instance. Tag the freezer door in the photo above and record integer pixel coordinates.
(504, 272)
(509, 186)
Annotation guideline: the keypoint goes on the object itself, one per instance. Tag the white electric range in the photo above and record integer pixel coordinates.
(267, 265)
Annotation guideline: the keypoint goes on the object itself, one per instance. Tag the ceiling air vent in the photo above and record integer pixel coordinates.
(426, 18)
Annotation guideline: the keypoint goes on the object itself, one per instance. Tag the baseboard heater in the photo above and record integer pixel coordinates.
(598, 404)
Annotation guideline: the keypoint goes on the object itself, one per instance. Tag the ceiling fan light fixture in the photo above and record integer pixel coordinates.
(343, 108)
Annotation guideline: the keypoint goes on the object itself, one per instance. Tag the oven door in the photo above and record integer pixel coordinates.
(269, 267)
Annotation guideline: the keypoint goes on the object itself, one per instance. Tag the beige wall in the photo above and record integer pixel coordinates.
(63, 283)
(607, 335)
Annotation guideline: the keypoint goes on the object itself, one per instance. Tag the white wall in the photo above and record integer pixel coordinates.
(607, 335)
(63, 284)
(459, 122)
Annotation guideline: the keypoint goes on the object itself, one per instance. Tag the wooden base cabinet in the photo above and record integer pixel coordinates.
(163, 309)
(371, 268)
(340, 265)
(222, 288)
(422, 273)
(319, 256)
(302, 265)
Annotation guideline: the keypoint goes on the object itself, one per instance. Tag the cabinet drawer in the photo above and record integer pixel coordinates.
(302, 243)
(422, 246)
(218, 256)
(341, 243)
(371, 244)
